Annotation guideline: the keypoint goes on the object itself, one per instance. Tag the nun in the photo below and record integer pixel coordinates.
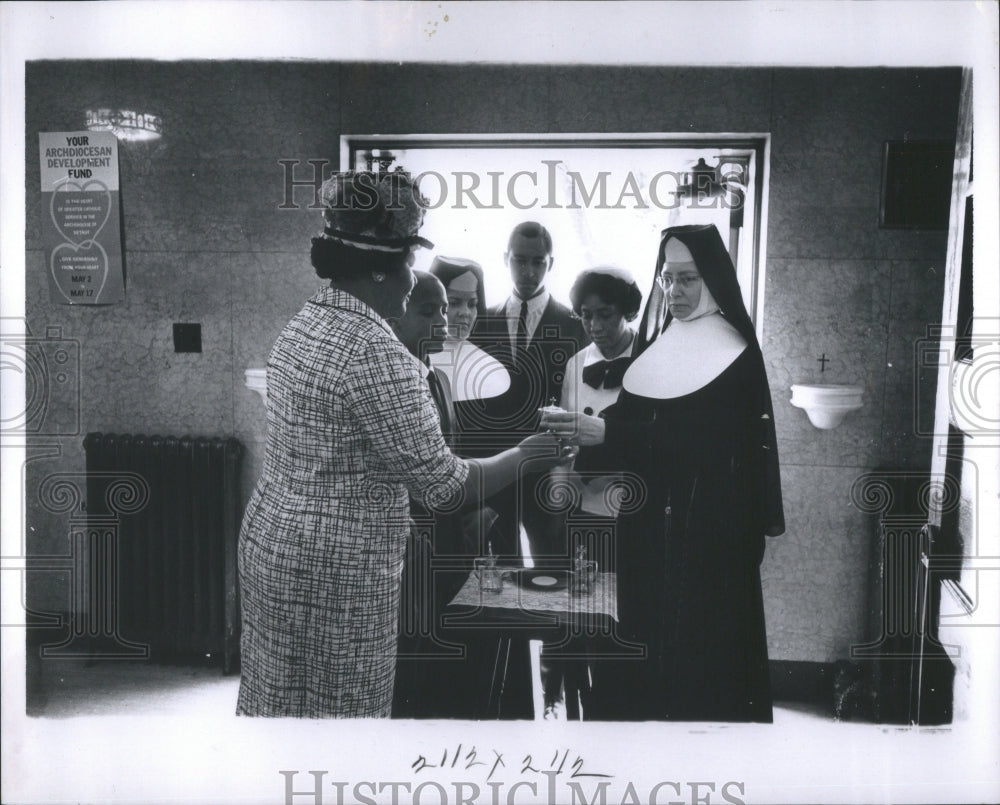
(694, 422)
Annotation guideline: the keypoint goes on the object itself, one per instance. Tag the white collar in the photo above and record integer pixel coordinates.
(592, 354)
(687, 356)
(472, 373)
(535, 303)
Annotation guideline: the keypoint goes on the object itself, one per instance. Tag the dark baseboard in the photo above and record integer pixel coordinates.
(881, 692)
(803, 682)
(46, 644)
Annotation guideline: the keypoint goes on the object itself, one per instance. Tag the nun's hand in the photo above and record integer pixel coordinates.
(573, 427)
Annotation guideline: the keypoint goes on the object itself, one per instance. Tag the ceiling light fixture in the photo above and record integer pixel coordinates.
(126, 125)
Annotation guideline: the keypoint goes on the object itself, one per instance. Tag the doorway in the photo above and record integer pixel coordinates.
(605, 199)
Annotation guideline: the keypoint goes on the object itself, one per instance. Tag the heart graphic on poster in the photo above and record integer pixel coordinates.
(90, 209)
(79, 271)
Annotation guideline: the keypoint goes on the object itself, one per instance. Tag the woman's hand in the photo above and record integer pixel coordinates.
(545, 450)
(573, 427)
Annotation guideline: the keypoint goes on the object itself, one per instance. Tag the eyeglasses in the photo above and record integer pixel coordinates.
(683, 281)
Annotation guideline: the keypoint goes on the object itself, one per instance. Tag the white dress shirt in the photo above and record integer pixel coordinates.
(536, 307)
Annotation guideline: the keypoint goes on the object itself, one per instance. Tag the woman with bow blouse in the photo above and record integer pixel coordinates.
(606, 299)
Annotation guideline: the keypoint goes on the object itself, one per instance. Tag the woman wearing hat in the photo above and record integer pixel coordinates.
(352, 434)
(694, 421)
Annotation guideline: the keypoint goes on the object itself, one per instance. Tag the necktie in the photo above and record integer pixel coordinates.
(521, 339)
(610, 373)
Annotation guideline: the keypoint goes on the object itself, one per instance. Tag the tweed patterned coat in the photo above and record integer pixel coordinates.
(352, 432)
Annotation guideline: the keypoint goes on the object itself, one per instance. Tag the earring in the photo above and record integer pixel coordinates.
(378, 276)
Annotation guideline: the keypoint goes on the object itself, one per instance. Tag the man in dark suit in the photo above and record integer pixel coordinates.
(534, 336)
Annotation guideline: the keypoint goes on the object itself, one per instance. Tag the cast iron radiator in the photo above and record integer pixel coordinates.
(175, 554)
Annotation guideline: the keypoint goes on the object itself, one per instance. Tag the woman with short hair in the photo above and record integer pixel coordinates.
(606, 299)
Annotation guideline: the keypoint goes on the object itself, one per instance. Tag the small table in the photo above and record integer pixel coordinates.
(558, 617)
(562, 605)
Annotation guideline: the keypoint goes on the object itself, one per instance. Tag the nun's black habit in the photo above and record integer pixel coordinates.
(690, 547)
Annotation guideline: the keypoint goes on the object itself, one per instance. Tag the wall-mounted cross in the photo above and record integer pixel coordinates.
(822, 361)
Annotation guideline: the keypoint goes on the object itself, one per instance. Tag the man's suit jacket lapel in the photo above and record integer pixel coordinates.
(441, 394)
(497, 333)
(551, 316)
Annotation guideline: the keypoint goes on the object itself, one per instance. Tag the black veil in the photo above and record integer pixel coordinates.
(717, 271)
(719, 275)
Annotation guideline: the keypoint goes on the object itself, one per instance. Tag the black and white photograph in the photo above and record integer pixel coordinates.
(500, 402)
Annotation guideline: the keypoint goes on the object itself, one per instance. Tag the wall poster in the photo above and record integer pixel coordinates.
(81, 223)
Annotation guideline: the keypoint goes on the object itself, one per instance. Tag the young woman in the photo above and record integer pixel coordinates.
(606, 299)
(474, 375)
